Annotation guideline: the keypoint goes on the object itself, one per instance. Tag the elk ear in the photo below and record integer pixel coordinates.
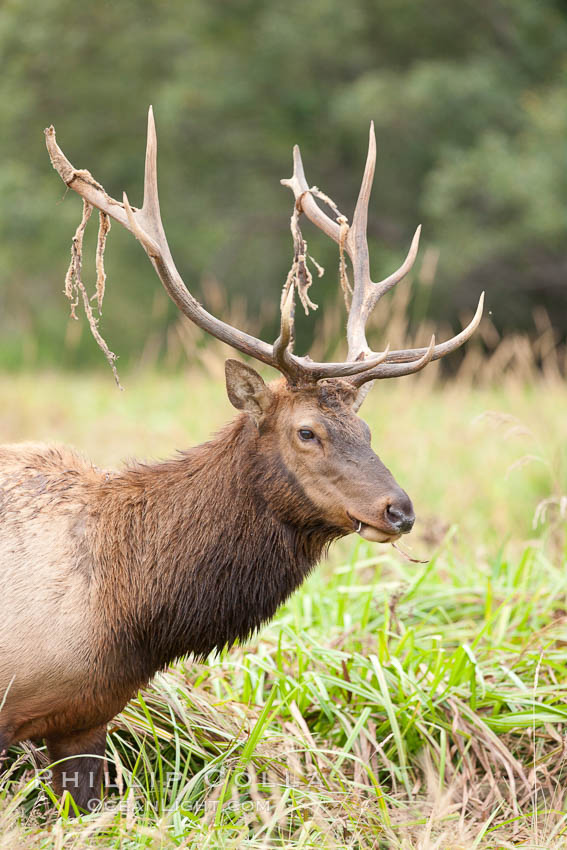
(246, 390)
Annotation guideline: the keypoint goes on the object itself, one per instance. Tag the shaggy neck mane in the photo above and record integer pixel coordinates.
(197, 558)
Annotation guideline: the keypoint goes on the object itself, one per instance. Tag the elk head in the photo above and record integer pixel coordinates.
(314, 435)
(307, 421)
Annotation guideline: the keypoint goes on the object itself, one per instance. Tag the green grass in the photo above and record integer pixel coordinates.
(389, 704)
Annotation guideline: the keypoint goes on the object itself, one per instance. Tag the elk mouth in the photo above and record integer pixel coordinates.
(372, 532)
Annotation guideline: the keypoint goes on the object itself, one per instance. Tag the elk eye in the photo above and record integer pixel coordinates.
(306, 434)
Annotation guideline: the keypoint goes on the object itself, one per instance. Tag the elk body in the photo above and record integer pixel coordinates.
(109, 576)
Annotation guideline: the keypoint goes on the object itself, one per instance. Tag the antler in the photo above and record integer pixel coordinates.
(147, 227)
(362, 364)
(366, 293)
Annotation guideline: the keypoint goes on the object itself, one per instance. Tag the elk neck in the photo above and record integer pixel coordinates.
(196, 552)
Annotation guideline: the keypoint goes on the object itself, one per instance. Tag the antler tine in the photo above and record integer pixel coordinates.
(366, 293)
(83, 182)
(357, 246)
(305, 200)
(388, 282)
(150, 207)
(146, 223)
(360, 217)
(410, 354)
(405, 362)
(370, 295)
(397, 370)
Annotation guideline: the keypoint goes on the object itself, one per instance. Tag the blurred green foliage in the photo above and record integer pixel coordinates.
(470, 104)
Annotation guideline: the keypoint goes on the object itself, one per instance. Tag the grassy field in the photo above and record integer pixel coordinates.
(389, 704)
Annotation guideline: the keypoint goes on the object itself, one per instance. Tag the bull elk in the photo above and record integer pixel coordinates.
(108, 577)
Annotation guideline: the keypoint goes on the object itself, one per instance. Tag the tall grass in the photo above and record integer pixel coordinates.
(389, 704)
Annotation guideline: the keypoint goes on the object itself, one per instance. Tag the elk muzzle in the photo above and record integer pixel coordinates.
(388, 520)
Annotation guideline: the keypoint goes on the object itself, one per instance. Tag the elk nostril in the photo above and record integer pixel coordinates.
(401, 520)
(394, 515)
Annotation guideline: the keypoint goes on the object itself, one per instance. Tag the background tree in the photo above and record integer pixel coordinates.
(470, 106)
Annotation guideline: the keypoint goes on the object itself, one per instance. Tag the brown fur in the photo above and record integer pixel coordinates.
(109, 576)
